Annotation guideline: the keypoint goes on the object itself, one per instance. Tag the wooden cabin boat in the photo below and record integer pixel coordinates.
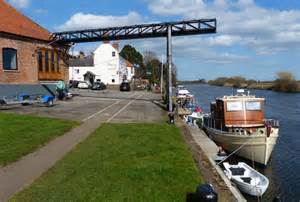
(237, 124)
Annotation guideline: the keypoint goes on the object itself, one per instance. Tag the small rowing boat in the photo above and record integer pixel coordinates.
(247, 179)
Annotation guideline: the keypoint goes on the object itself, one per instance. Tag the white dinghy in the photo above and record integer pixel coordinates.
(246, 178)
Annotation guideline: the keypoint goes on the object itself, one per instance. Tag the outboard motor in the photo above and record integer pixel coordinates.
(206, 192)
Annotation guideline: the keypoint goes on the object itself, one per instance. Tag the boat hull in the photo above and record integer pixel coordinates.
(253, 191)
(257, 147)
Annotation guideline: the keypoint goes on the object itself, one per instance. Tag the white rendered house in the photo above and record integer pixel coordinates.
(105, 64)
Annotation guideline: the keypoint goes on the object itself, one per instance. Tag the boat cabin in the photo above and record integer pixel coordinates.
(239, 111)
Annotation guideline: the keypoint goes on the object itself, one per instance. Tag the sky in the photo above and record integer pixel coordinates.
(255, 38)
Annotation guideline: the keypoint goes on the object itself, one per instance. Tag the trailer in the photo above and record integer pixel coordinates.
(26, 99)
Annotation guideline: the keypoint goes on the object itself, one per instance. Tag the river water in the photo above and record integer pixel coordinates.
(283, 169)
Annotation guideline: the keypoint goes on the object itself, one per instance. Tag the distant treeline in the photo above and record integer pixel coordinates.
(285, 82)
(202, 81)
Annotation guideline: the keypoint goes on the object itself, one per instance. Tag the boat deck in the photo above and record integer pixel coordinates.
(183, 111)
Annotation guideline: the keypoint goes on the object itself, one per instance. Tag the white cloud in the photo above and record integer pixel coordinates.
(86, 21)
(20, 3)
(239, 22)
(224, 40)
(175, 7)
(190, 48)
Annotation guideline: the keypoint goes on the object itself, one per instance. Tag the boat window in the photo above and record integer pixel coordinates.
(253, 105)
(234, 106)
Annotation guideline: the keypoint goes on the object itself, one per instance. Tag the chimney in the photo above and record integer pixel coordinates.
(116, 45)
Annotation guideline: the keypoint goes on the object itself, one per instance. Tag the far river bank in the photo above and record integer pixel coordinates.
(265, 85)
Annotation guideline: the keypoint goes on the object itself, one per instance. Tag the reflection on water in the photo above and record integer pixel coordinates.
(283, 169)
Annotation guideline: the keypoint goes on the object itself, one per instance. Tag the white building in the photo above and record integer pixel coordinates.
(105, 64)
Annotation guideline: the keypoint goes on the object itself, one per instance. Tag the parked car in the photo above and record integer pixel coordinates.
(83, 85)
(125, 86)
(98, 86)
(73, 84)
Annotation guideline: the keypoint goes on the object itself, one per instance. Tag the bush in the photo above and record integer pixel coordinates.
(285, 82)
(236, 81)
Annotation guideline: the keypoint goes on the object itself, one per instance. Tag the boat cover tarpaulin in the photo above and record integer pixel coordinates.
(12, 90)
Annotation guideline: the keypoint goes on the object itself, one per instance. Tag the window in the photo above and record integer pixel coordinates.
(9, 59)
(113, 53)
(40, 61)
(52, 62)
(58, 62)
(113, 80)
(47, 61)
(250, 105)
(234, 106)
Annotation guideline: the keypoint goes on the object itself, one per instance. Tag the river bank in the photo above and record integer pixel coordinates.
(268, 85)
(264, 85)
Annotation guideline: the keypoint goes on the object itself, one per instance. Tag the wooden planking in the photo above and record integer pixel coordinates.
(51, 75)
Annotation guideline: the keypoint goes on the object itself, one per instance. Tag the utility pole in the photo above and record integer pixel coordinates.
(162, 74)
(169, 58)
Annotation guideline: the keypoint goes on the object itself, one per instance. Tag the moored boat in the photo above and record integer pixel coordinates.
(182, 92)
(247, 179)
(237, 124)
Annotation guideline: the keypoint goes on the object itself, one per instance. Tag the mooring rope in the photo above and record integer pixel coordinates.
(235, 151)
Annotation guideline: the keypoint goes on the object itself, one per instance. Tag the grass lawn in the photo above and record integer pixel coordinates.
(121, 162)
(20, 135)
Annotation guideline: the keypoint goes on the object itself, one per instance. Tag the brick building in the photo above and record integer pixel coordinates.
(27, 55)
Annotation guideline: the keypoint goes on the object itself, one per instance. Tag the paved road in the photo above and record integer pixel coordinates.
(86, 103)
(92, 109)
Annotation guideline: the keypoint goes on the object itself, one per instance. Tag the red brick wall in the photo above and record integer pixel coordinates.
(27, 72)
(26, 59)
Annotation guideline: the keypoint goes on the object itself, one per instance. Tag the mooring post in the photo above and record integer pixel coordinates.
(169, 58)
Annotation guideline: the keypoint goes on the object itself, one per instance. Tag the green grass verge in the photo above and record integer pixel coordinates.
(121, 162)
(20, 134)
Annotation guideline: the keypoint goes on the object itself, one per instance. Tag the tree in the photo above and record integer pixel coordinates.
(285, 82)
(153, 67)
(132, 55)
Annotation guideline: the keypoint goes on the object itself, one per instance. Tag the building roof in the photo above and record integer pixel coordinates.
(82, 62)
(128, 64)
(14, 22)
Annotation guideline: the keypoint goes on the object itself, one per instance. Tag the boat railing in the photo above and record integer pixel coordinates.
(211, 123)
(218, 124)
(272, 122)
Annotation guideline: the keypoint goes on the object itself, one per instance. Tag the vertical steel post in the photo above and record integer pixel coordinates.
(162, 74)
(169, 58)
